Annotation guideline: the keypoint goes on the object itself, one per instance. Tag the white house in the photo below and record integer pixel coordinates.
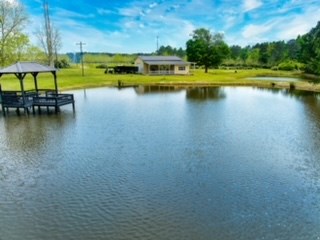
(162, 65)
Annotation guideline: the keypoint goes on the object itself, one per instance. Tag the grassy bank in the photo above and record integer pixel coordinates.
(72, 79)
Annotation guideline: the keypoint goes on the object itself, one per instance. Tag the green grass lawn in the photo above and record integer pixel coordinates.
(72, 79)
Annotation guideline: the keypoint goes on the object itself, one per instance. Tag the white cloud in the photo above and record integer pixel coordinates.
(255, 31)
(103, 11)
(139, 22)
(249, 5)
(66, 14)
(291, 26)
(10, 1)
(153, 5)
(130, 12)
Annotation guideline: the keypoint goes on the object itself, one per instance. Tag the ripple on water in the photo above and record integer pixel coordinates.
(164, 167)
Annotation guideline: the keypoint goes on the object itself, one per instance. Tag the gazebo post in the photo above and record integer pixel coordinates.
(55, 82)
(21, 76)
(35, 82)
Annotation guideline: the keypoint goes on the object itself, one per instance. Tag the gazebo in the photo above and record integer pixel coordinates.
(31, 98)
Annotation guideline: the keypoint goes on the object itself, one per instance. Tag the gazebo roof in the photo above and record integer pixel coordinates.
(26, 67)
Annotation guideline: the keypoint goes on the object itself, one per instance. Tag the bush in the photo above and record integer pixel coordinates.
(61, 63)
(313, 67)
(104, 66)
(290, 66)
(292, 86)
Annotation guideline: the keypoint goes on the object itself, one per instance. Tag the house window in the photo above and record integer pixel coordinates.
(182, 68)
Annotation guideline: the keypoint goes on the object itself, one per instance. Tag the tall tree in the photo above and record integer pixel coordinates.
(13, 17)
(49, 36)
(293, 49)
(235, 52)
(169, 51)
(310, 50)
(206, 49)
(277, 52)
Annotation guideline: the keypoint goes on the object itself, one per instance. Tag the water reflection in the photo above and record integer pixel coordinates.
(291, 92)
(138, 165)
(192, 93)
(23, 133)
(157, 89)
(205, 93)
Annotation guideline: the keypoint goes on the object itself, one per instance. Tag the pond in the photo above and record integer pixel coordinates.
(164, 163)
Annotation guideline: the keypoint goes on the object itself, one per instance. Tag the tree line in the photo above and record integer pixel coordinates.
(204, 48)
(303, 53)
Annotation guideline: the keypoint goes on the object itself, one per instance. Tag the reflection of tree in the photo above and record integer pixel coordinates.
(206, 93)
(156, 89)
(24, 134)
(272, 90)
(299, 94)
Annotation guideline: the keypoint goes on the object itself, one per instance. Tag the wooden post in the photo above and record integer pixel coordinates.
(35, 82)
(21, 76)
(55, 82)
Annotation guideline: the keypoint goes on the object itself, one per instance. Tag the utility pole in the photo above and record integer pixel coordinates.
(157, 45)
(81, 56)
(48, 33)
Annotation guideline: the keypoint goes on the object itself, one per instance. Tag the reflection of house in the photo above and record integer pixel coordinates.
(162, 65)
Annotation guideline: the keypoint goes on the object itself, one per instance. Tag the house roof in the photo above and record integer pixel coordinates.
(163, 60)
(26, 67)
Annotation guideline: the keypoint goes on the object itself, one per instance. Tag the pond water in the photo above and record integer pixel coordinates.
(164, 163)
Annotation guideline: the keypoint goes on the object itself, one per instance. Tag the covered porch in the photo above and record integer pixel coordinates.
(160, 69)
(29, 99)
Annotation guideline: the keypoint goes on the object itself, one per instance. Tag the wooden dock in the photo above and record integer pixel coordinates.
(31, 99)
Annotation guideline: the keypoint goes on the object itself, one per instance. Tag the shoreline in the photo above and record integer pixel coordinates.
(300, 86)
(71, 79)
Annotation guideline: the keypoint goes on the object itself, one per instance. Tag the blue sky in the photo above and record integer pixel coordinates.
(131, 26)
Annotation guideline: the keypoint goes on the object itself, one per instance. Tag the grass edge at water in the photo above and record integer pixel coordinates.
(69, 79)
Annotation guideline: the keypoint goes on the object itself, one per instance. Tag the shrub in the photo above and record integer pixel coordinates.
(290, 65)
(313, 67)
(292, 86)
(104, 66)
(61, 63)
